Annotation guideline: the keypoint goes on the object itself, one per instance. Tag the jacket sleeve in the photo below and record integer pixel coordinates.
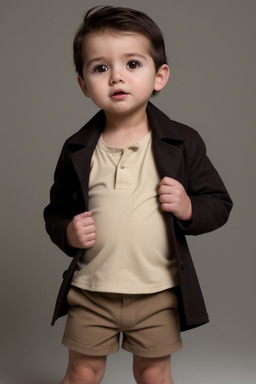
(61, 209)
(211, 203)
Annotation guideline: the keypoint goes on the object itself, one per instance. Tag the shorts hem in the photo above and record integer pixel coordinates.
(90, 351)
(153, 352)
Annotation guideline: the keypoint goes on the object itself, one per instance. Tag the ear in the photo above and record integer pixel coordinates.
(162, 77)
(82, 85)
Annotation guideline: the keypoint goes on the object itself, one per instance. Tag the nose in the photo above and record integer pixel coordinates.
(117, 76)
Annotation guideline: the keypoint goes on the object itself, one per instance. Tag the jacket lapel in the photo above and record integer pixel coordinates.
(166, 141)
(82, 146)
(81, 161)
(167, 158)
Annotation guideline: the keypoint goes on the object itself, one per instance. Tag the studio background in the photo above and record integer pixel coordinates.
(211, 51)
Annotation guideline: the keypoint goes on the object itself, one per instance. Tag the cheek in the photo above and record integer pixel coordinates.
(93, 88)
(147, 77)
(97, 93)
(146, 83)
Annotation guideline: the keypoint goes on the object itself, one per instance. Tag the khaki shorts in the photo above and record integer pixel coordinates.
(149, 323)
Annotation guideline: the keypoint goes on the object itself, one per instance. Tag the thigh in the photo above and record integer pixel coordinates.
(155, 331)
(91, 325)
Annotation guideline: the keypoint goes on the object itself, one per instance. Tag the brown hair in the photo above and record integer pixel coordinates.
(123, 20)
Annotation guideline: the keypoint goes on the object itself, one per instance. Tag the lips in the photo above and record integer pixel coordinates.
(118, 94)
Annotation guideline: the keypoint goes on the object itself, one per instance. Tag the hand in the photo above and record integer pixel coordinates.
(80, 233)
(174, 199)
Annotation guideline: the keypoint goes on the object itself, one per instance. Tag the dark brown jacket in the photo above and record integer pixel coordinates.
(179, 153)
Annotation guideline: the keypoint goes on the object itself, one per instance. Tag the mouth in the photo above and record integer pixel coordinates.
(118, 94)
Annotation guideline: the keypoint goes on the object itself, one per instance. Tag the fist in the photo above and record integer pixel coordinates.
(81, 231)
(173, 198)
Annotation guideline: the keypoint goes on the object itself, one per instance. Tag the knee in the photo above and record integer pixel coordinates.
(84, 375)
(83, 369)
(150, 375)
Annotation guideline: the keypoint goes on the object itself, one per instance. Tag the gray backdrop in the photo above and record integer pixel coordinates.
(211, 50)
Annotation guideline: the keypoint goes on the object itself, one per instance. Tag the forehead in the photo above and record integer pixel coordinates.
(114, 42)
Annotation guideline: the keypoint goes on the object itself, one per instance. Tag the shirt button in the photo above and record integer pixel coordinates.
(122, 166)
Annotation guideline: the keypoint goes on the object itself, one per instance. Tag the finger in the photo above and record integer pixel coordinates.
(165, 189)
(81, 216)
(167, 207)
(90, 240)
(90, 236)
(86, 222)
(85, 214)
(89, 244)
(89, 229)
(167, 181)
(165, 199)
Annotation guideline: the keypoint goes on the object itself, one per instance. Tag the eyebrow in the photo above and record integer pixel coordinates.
(96, 59)
(136, 55)
(102, 58)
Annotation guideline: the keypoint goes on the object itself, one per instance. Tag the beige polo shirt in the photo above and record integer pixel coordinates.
(132, 253)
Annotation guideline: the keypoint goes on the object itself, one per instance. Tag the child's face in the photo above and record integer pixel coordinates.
(119, 72)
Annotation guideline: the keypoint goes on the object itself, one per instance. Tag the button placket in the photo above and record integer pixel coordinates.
(124, 169)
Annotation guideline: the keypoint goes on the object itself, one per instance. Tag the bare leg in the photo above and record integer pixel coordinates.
(152, 370)
(83, 369)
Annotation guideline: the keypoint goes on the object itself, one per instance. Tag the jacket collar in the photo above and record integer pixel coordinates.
(163, 128)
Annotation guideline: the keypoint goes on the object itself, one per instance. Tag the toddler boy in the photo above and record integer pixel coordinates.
(128, 187)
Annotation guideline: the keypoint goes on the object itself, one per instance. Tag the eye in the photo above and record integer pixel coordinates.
(100, 68)
(133, 64)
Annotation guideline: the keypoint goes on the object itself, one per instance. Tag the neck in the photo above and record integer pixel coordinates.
(125, 129)
(129, 120)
